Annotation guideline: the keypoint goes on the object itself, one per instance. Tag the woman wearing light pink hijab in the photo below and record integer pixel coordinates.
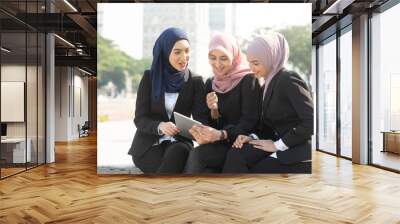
(282, 141)
(232, 98)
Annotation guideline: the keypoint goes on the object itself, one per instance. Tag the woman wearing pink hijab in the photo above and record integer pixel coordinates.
(282, 141)
(232, 98)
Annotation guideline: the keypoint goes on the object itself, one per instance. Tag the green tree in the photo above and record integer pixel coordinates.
(138, 70)
(299, 39)
(115, 76)
(113, 64)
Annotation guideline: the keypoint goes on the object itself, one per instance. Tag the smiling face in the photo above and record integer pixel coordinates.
(259, 69)
(221, 64)
(180, 54)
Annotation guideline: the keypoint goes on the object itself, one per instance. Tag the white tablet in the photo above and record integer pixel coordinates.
(184, 124)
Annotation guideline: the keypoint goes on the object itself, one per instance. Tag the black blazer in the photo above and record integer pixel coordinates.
(148, 114)
(287, 114)
(238, 108)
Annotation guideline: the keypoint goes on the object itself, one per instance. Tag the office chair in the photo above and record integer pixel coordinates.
(84, 130)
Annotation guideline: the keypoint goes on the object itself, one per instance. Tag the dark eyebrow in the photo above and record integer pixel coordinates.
(180, 49)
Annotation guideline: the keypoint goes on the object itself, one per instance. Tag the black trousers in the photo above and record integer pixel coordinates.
(252, 160)
(165, 158)
(208, 158)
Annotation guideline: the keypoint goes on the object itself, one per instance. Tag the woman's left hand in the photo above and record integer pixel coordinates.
(204, 134)
(266, 145)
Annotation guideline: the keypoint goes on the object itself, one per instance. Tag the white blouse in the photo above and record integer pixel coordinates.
(170, 101)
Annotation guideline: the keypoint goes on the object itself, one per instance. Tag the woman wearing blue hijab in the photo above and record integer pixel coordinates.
(169, 86)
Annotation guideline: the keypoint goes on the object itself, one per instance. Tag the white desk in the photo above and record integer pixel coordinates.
(18, 150)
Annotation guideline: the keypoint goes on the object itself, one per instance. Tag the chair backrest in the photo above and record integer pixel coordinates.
(86, 125)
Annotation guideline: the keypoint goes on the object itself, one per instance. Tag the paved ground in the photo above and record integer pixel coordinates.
(114, 139)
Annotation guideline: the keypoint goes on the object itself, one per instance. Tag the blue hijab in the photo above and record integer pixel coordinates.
(164, 77)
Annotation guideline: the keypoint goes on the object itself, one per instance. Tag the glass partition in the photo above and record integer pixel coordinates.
(346, 93)
(13, 104)
(22, 87)
(327, 96)
(385, 89)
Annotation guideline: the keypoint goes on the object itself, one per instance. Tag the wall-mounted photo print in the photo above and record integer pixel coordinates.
(202, 88)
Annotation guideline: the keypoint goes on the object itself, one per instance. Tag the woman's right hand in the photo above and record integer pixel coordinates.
(197, 135)
(240, 140)
(212, 101)
(168, 128)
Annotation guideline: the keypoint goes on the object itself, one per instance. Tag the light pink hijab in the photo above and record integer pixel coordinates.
(240, 68)
(272, 50)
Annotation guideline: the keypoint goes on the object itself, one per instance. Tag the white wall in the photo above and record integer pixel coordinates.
(14, 73)
(33, 125)
(62, 81)
(12, 101)
(80, 100)
(71, 94)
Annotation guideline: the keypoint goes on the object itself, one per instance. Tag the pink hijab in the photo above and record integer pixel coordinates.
(239, 69)
(272, 50)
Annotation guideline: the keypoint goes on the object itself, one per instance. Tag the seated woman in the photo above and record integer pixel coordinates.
(168, 86)
(282, 143)
(232, 97)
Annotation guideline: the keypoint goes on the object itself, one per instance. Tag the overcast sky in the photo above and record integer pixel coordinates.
(123, 21)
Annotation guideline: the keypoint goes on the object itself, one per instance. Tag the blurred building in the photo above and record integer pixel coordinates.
(193, 18)
(100, 15)
(222, 18)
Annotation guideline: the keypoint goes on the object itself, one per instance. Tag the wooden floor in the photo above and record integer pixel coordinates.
(387, 159)
(70, 191)
(10, 171)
